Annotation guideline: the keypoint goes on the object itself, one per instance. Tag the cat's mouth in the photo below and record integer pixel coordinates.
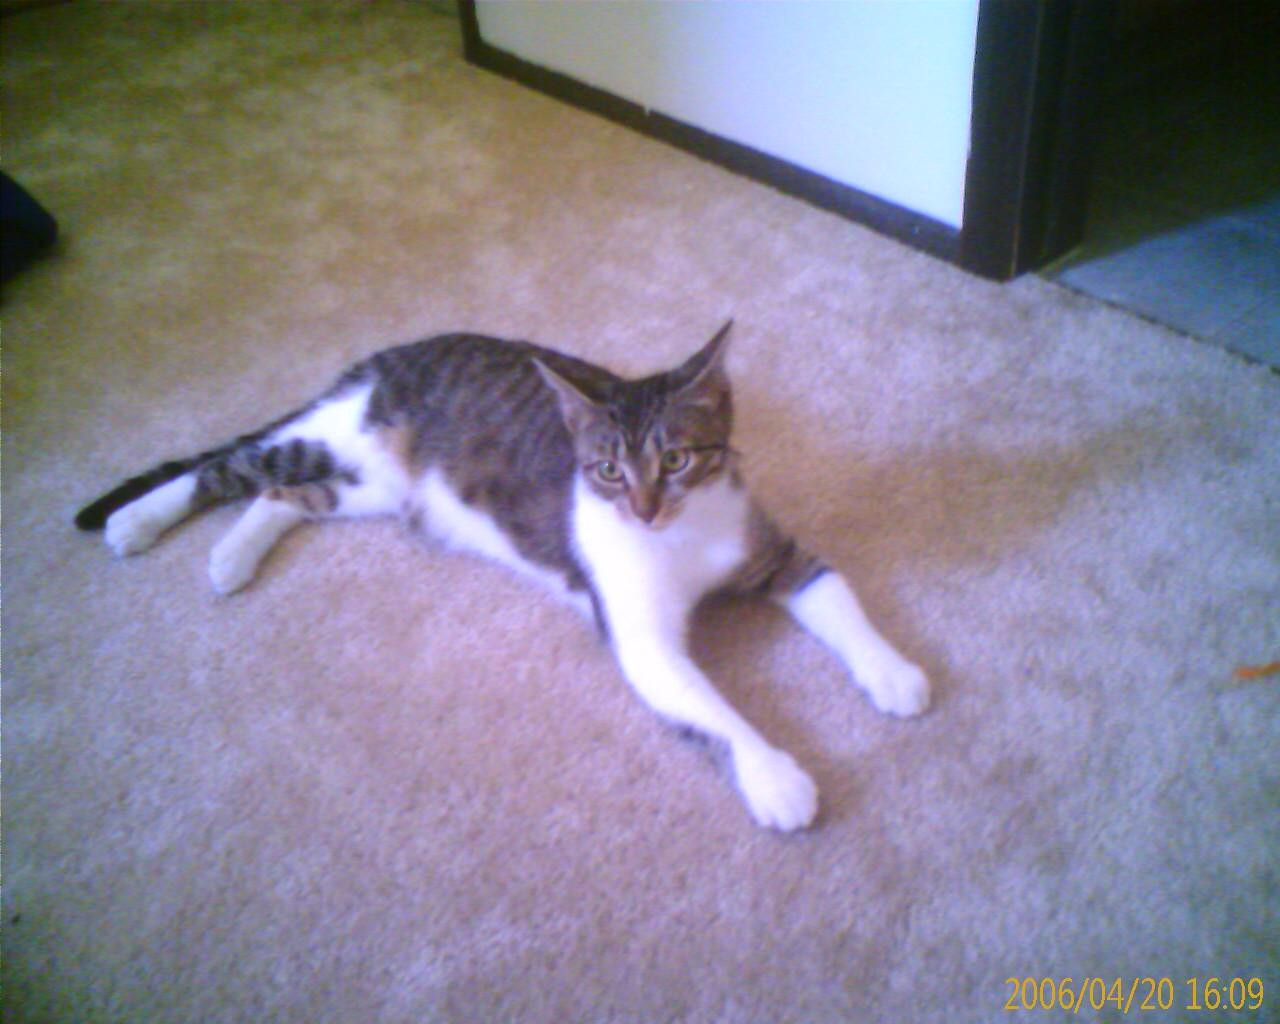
(663, 519)
(656, 518)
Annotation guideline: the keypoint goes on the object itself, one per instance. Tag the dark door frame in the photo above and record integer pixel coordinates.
(1036, 82)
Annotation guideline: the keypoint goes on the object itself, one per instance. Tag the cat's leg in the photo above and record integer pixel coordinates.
(822, 601)
(654, 660)
(827, 607)
(138, 525)
(235, 558)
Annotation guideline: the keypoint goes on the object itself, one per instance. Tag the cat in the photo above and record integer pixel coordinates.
(623, 495)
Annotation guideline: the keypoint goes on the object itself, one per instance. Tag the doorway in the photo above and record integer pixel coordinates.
(1183, 216)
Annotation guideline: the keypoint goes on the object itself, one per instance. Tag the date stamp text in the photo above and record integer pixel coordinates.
(1134, 995)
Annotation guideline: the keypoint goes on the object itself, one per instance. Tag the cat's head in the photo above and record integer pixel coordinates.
(647, 444)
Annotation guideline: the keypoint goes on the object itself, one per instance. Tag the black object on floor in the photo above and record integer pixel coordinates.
(26, 228)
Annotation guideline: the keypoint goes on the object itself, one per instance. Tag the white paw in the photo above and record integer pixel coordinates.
(133, 529)
(897, 687)
(778, 792)
(231, 566)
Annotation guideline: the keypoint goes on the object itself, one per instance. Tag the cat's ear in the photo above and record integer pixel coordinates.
(577, 408)
(704, 373)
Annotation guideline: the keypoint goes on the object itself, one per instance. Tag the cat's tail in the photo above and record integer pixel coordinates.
(94, 515)
(237, 469)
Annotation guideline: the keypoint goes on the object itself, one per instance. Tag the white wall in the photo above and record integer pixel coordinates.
(872, 93)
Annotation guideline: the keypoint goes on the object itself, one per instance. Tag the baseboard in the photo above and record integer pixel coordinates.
(915, 229)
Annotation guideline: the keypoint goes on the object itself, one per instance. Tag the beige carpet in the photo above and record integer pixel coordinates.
(387, 784)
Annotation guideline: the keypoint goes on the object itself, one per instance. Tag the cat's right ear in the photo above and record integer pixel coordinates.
(577, 408)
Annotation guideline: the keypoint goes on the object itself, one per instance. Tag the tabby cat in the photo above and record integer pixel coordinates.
(623, 495)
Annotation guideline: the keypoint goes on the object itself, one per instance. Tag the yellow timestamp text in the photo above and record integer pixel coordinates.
(1125, 995)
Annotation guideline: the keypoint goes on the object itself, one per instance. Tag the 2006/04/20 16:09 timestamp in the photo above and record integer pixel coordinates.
(1137, 994)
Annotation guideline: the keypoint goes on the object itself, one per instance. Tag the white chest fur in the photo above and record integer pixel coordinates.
(467, 528)
(640, 571)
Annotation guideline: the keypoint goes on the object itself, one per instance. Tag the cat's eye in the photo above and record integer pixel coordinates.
(674, 460)
(609, 472)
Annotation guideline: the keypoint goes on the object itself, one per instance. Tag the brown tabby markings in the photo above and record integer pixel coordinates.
(480, 411)
(316, 500)
(777, 565)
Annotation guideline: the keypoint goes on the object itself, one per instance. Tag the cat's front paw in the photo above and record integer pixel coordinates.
(778, 792)
(897, 687)
(231, 566)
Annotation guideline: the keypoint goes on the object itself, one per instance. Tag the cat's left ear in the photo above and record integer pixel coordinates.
(577, 408)
(704, 370)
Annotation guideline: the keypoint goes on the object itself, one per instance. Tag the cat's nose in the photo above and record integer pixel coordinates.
(644, 503)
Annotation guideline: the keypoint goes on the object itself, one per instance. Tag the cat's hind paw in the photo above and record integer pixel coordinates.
(133, 529)
(778, 792)
(897, 688)
(138, 525)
